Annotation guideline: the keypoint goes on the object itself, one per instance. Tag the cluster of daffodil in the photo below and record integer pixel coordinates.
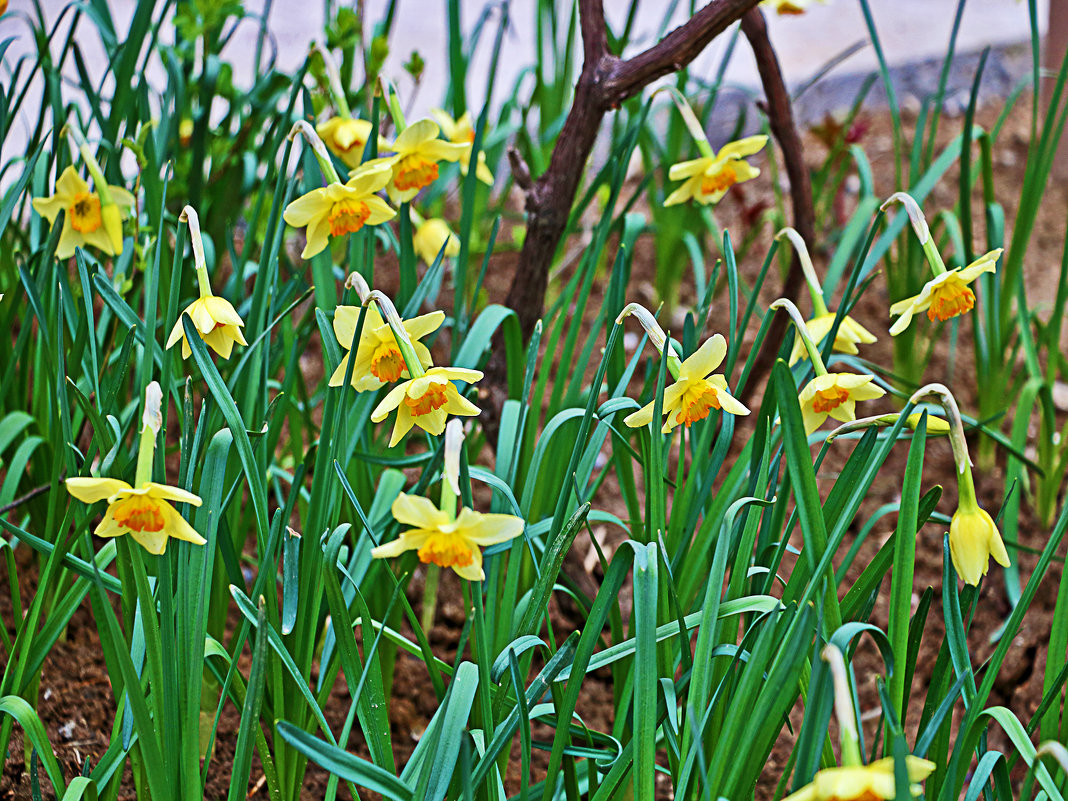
(409, 166)
(974, 537)
(143, 511)
(388, 350)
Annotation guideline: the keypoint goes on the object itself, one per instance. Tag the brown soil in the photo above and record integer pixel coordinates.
(75, 699)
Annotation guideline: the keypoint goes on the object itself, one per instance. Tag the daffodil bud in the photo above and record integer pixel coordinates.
(843, 705)
(936, 426)
(153, 416)
(333, 77)
(152, 420)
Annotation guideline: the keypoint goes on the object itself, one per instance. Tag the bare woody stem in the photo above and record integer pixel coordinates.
(781, 119)
(606, 81)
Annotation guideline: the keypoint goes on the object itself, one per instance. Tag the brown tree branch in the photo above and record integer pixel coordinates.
(781, 120)
(674, 51)
(594, 30)
(605, 82)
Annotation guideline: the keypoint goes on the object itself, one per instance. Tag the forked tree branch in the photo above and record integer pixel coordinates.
(674, 51)
(606, 81)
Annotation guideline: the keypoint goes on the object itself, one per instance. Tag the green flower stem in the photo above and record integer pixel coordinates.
(848, 737)
(404, 343)
(333, 79)
(430, 597)
(153, 422)
(189, 215)
(919, 226)
(819, 308)
(802, 331)
(393, 102)
(100, 185)
(321, 154)
(655, 332)
(693, 125)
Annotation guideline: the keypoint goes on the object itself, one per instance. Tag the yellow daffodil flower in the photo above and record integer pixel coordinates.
(850, 334)
(447, 540)
(427, 401)
(835, 395)
(217, 321)
(462, 132)
(431, 236)
(347, 138)
(874, 782)
(973, 539)
(414, 164)
(696, 392)
(85, 222)
(338, 209)
(378, 359)
(143, 513)
(708, 178)
(944, 296)
(787, 7)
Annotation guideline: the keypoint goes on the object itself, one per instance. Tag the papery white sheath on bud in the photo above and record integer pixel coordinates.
(153, 417)
(454, 440)
(919, 222)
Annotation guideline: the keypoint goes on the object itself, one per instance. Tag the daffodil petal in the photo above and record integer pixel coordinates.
(91, 490)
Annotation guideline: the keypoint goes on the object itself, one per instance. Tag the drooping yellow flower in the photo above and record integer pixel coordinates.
(708, 178)
(347, 138)
(788, 7)
(874, 782)
(462, 132)
(378, 359)
(445, 540)
(850, 334)
(338, 209)
(944, 296)
(217, 321)
(143, 513)
(973, 539)
(695, 392)
(85, 222)
(431, 236)
(427, 401)
(414, 164)
(835, 395)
